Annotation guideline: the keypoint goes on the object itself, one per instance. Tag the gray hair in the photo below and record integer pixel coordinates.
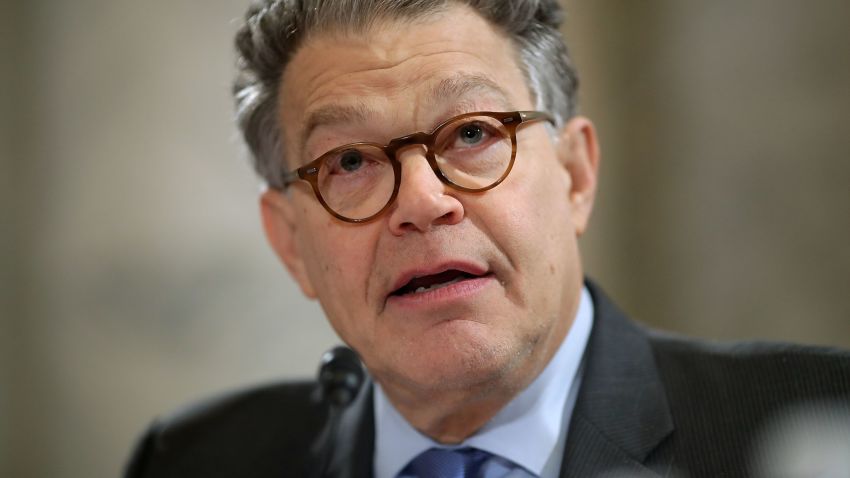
(274, 29)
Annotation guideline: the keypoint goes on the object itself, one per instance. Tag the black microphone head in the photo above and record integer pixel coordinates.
(340, 376)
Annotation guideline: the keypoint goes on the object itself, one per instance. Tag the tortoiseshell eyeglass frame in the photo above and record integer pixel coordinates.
(510, 120)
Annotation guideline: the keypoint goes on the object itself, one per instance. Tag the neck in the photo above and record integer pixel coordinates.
(450, 417)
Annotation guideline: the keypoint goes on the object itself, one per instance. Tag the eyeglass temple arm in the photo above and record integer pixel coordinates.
(536, 116)
(289, 177)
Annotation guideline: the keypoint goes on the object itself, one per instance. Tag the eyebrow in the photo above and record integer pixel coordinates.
(334, 114)
(449, 89)
(462, 84)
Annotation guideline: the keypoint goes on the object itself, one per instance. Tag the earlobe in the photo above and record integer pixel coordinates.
(579, 154)
(281, 228)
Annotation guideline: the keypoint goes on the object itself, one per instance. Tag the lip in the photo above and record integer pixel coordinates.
(468, 267)
(441, 297)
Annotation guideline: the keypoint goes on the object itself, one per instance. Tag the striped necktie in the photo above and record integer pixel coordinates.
(445, 463)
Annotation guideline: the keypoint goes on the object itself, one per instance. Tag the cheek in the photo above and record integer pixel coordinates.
(339, 261)
(538, 214)
(339, 265)
(535, 231)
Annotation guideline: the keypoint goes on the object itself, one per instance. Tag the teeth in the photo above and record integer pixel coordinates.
(437, 286)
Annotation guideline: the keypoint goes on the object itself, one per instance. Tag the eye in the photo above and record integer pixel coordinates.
(351, 160)
(471, 133)
(355, 161)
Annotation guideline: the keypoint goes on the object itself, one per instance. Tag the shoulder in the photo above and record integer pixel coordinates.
(694, 370)
(724, 396)
(271, 427)
(793, 370)
(708, 403)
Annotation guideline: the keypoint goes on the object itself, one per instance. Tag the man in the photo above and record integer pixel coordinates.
(429, 180)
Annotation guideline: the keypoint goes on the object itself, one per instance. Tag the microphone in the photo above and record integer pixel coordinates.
(340, 378)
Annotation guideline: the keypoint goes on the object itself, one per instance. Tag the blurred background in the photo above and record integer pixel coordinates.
(134, 274)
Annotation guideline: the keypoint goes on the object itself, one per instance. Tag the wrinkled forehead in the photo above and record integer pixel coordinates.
(406, 72)
(458, 93)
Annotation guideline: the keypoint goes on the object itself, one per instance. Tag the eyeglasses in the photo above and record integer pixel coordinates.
(472, 152)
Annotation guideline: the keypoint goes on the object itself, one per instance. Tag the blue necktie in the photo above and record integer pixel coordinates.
(444, 463)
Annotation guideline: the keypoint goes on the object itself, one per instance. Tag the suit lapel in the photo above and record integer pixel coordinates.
(622, 413)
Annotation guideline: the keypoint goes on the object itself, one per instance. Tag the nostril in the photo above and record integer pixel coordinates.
(425, 213)
(449, 217)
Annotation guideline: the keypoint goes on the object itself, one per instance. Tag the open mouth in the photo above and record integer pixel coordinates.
(418, 285)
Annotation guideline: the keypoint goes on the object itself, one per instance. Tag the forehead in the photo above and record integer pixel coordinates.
(407, 73)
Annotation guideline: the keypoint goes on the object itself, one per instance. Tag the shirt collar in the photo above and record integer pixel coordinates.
(536, 413)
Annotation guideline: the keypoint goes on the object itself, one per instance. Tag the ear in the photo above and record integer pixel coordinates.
(278, 215)
(579, 154)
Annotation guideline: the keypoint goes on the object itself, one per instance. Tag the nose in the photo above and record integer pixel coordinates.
(422, 200)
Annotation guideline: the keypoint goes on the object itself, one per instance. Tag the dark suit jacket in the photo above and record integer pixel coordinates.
(650, 404)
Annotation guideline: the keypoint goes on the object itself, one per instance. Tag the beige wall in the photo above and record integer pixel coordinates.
(142, 278)
(135, 276)
(725, 175)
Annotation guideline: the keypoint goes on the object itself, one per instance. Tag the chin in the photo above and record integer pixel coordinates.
(456, 365)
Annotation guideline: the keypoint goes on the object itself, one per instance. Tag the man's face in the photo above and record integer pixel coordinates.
(502, 266)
